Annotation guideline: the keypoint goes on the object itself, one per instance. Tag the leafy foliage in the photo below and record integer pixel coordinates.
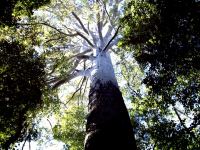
(10, 10)
(71, 129)
(22, 78)
(168, 51)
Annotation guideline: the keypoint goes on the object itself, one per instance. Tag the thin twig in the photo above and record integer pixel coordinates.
(50, 124)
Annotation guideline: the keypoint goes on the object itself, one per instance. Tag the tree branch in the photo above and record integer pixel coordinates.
(86, 57)
(104, 6)
(64, 80)
(48, 25)
(72, 76)
(27, 137)
(114, 42)
(68, 72)
(92, 35)
(85, 38)
(80, 22)
(50, 124)
(99, 26)
(79, 55)
(85, 87)
(105, 48)
(53, 39)
(181, 121)
(61, 32)
(80, 84)
(108, 33)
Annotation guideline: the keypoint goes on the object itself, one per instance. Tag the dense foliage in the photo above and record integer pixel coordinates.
(10, 10)
(21, 80)
(71, 128)
(22, 76)
(164, 36)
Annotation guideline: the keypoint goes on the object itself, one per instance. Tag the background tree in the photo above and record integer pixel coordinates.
(164, 36)
(71, 129)
(11, 10)
(21, 74)
(22, 77)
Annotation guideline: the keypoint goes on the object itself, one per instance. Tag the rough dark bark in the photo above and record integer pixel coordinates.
(108, 124)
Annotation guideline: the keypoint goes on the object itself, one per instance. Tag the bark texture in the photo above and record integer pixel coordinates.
(108, 124)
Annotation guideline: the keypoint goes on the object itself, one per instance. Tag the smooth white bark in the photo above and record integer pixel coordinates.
(89, 26)
(103, 71)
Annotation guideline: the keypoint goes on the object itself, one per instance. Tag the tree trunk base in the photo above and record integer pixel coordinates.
(108, 124)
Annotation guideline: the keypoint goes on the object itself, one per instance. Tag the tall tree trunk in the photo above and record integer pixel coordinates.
(108, 124)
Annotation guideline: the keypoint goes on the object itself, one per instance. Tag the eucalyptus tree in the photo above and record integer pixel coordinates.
(85, 37)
